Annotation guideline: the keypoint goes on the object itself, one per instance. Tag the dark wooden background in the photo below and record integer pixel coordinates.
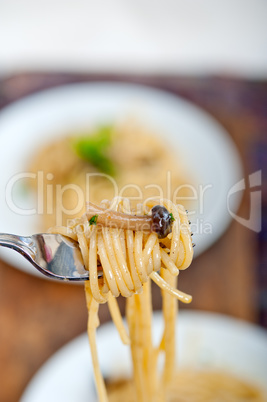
(38, 316)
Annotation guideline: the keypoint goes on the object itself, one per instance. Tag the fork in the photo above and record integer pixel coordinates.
(54, 255)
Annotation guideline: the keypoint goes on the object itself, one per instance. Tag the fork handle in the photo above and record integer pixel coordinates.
(23, 245)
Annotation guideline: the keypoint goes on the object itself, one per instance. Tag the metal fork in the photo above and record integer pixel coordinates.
(53, 255)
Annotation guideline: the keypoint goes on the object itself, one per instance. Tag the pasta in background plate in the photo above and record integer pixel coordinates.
(124, 159)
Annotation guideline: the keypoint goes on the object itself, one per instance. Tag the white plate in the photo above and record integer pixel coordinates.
(204, 340)
(208, 152)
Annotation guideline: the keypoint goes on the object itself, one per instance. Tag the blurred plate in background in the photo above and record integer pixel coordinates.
(208, 153)
(205, 340)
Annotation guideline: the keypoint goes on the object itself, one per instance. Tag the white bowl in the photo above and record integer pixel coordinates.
(208, 153)
(204, 340)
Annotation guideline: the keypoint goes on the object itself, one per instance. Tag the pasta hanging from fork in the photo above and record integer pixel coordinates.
(130, 248)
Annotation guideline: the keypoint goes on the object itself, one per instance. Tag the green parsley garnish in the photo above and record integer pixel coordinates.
(93, 220)
(94, 149)
(172, 217)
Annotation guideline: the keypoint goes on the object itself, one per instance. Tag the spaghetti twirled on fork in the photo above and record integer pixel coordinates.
(131, 249)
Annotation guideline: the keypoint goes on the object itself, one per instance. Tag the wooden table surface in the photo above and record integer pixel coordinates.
(38, 316)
